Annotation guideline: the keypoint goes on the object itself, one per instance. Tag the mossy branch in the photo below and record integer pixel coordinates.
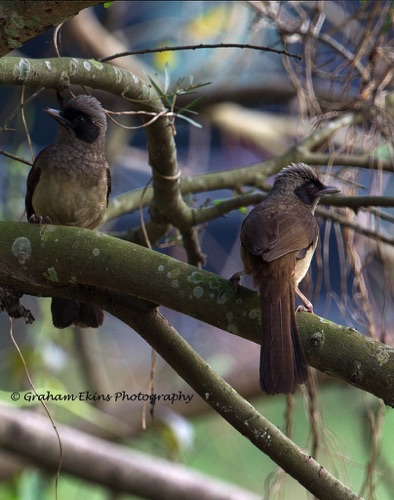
(33, 261)
(22, 21)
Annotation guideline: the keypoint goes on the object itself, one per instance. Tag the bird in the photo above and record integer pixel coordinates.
(278, 239)
(69, 184)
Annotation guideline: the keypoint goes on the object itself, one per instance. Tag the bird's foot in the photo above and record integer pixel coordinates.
(236, 279)
(38, 219)
(305, 309)
(307, 304)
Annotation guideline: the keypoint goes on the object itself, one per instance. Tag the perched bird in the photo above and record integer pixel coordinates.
(69, 184)
(278, 239)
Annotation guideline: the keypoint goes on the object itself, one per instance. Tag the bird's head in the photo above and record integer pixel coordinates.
(83, 117)
(301, 181)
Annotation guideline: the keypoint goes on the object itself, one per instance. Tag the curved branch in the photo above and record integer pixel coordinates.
(131, 201)
(96, 42)
(200, 46)
(233, 408)
(167, 205)
(158, 332)
(33, 262)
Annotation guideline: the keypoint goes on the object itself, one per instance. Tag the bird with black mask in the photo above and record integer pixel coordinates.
(278, 239)
(69, 184)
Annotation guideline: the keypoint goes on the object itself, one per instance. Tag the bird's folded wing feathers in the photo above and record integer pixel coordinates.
(272, 235)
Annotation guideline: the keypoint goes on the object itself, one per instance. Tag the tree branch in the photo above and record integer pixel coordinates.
(167, 205)
(158, 332)
(25, 20)
(33, 262)
(233, 408)
(101, 462)
(96, 41)
(131, 201)
(200, 46)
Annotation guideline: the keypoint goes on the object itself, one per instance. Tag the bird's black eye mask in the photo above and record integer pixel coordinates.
(82, 125)
(309, 191)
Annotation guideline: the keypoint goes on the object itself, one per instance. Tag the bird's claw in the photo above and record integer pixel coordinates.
(307, 304)
(38, 219)
(236, 279)
(305, 308)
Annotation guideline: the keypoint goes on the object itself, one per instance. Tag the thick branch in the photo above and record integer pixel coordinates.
(158, 332)
(167, 206)
(33, 259)
(101, 462)
(131, 201)
(23, 21)
(233, 408)
(97, 41)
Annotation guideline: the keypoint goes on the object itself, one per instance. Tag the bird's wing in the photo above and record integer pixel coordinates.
(273, 233)
(31, 183)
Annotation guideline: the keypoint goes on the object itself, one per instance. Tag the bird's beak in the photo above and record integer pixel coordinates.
(329, 190)
(54, 113)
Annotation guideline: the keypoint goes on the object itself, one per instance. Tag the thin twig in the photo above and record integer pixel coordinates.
(55, 38)
(22, 106)
(196, 47)
(42, 402)
(15, 157)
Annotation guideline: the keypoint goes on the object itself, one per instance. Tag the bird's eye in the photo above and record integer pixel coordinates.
(311, 187)
(81, 120)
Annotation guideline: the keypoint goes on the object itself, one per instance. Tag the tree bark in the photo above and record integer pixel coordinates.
(34, 262)
(101, 462)
(21, 21)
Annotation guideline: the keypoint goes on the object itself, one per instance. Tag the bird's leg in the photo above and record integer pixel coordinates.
(38, 219)
(307, 304)
(236, 278)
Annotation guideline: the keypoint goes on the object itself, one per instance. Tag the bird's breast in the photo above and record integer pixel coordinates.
(70, 199)
(302, 264)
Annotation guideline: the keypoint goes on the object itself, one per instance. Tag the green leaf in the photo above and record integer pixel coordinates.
(156, 88)
(191, 104)
(192, 122)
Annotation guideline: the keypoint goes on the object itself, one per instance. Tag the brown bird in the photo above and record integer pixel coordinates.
(278, 239)
(69, 184)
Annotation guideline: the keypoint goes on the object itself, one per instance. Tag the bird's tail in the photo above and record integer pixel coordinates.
(67, 312)
(282, 361)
